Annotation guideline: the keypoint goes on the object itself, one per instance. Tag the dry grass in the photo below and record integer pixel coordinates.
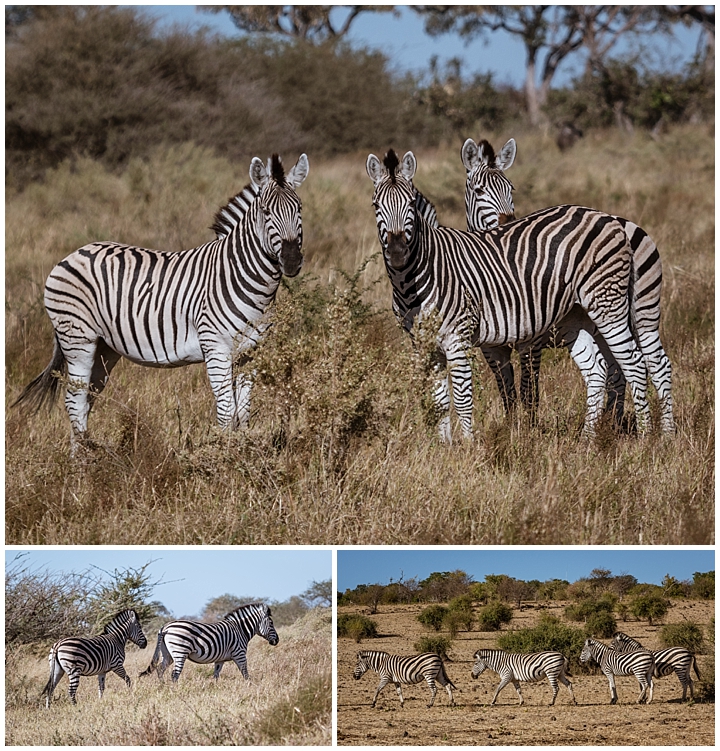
(340, 448)
(288, 700)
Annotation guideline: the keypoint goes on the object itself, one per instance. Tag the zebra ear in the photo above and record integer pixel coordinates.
(374, 168)
(469, 154)
(299, 172)
(259, 174)
(504, 160)
(409, 166)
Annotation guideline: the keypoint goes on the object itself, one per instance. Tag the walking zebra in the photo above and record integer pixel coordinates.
(612, 663)
(667, 661)
(94, 655)
(488, 202)
(508, 285)
(217, 643)
(513, 668)
(162, 309)
(396, 669)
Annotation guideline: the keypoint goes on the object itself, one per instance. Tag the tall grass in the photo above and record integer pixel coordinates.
(342, 445)
(288, 700)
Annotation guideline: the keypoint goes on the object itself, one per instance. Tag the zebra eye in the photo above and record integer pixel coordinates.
(479, 191)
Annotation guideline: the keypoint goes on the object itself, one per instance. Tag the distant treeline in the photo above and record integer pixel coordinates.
(448, 585)
(104, 82)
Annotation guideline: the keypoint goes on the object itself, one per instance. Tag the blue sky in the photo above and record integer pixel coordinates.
(195, 576)
(409, 48)
(379, 566)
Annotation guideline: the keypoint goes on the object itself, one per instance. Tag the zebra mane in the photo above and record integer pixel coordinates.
(277, 170)
(246, 606)
(106, 629)
(391, 163)
(230, 215)
(426, 209)
(486, 147)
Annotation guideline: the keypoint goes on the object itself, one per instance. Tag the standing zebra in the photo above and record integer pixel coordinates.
(396, 669)
(217, 643)
(531, 668)
(667, 661)
(640, 664)
(508, 285)
(488, 202)
(162, 309)
(94, 655)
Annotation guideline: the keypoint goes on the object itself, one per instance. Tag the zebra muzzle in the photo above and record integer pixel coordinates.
(291, 257)
(397, 249)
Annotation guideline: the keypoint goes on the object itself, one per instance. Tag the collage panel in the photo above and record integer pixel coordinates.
(217, 647)
(564, 647)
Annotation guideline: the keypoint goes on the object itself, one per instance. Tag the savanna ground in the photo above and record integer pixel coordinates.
(288, 700)
(341, 447)
(666, 721)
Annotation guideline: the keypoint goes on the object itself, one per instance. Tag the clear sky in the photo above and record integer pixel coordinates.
(195, 576)
(649, 566)
(403, 40)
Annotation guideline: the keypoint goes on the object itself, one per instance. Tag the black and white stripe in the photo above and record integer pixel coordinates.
(667, 661)
(641, 664)
(529, 668)
(488, 202)
(505, 286)
(162, 309)
(94, 655)
(216, 643)
(396, 669)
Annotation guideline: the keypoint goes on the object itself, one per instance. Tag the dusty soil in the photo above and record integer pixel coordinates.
(667, 721)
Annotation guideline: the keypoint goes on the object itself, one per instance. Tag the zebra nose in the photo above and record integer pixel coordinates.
(397, 249)
(291, 257)
(505, 218)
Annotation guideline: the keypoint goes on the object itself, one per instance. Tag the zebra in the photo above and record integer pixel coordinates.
(508, 285)
(513, 668)
(489, 203)
(217, 643)
(397, 669)
(667, 661)
(165, 309)
(641, 664)
(94, 655)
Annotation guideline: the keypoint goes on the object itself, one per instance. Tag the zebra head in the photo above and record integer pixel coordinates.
(279, 219)
(394, 202)
(126, 625)
(266, 627)
(488, 193)
(362, 666)
(588, 650)
(480, 666)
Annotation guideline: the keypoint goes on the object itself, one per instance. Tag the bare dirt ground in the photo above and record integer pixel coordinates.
(667, 721)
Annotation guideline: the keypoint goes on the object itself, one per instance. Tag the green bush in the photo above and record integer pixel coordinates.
(493, 616)
(550, 634)
(356, 627)
(650, 607)
(437, 644)
(600, 625)
(433, 617)
(583, 609)
(687, 634)
(703, 585)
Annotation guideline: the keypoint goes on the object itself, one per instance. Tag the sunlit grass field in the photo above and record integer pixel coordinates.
(341, 447)
(287, 701)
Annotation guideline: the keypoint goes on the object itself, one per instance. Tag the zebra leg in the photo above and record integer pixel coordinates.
(80, 356)
(516, 684)
(242, 388)
(74, 678)
(530, 380)
(593, 367)
(564, 680)
(504, 682)
(555, 688)
(398, 688)
(613, 692)
(660, 370)
(101, 684)
(219, 370)
(241, 661)
(498, 358)
(433, 690)
(179, 665)
(120, 670)
(105, 360)
(218, 668)
(441, 396)
(461, 379)
(383, 682)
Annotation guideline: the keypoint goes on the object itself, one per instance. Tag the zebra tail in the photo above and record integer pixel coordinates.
(44, 388)
(445, 675)
(567, 667)
(632, 297)
(52, 659)
(156, 657)
(695, 668)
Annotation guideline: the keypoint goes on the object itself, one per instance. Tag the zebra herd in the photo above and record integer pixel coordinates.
(178, 641)
(565, 275)
(624, 656)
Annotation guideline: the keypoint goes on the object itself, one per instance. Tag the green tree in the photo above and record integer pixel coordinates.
(650, 607)
(703, 585)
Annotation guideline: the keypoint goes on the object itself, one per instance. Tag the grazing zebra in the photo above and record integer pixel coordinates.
(488, 202)
(396, 669)
(94, 655)
(508, 285)
(162, 309)
(513, 668)
(217, 643)
(667, 661)
(641, 664)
